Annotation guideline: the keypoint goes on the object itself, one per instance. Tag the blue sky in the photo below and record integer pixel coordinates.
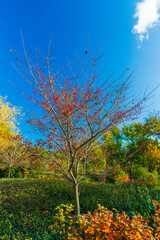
(132, 38)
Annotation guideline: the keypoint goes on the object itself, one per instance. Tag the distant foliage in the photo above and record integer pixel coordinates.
(152, 154)
(8, 122)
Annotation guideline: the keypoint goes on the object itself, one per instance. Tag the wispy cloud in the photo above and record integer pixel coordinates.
(148, 14)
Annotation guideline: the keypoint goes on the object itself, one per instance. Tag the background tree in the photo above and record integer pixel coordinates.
(8, 126)
(8, 121)
(135, 144)
(75, 108)
(152, 157)
(13, 154)
(143, 136)
(114, 152)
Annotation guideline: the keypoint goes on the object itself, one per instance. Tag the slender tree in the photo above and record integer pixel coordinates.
(13, 154)
(74, 109)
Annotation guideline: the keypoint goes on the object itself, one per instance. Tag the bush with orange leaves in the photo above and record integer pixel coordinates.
(156, 220)
(104, 224)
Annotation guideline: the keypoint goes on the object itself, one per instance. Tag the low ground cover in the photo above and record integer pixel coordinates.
(27, 209)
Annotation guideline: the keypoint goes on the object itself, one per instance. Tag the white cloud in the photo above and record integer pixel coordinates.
(148, 14)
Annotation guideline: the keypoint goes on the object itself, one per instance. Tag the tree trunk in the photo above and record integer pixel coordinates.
(9, 173)
(77, 205)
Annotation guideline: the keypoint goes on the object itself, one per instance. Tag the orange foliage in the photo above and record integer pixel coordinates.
(156, 219)
(103, 224)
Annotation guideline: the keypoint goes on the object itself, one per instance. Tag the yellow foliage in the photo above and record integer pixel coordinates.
(8, 122)
(9, 114)
(153, 155)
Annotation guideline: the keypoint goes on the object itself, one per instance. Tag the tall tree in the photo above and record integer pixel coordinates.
(142, 140)
(8, 126)
(74, 109)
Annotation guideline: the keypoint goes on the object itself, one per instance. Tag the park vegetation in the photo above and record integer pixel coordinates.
(90, 175)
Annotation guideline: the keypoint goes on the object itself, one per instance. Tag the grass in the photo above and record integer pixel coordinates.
(28, 204)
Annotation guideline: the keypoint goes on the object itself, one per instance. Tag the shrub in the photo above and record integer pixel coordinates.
(122, 177)
(105, 224)
(16, 172)
(141, 174)
(156, 219)
(63, 222)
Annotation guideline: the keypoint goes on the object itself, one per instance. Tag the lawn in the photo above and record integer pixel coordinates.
(28, 205)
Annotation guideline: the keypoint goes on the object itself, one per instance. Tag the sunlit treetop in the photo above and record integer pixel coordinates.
(8, 122)
(9, 114)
